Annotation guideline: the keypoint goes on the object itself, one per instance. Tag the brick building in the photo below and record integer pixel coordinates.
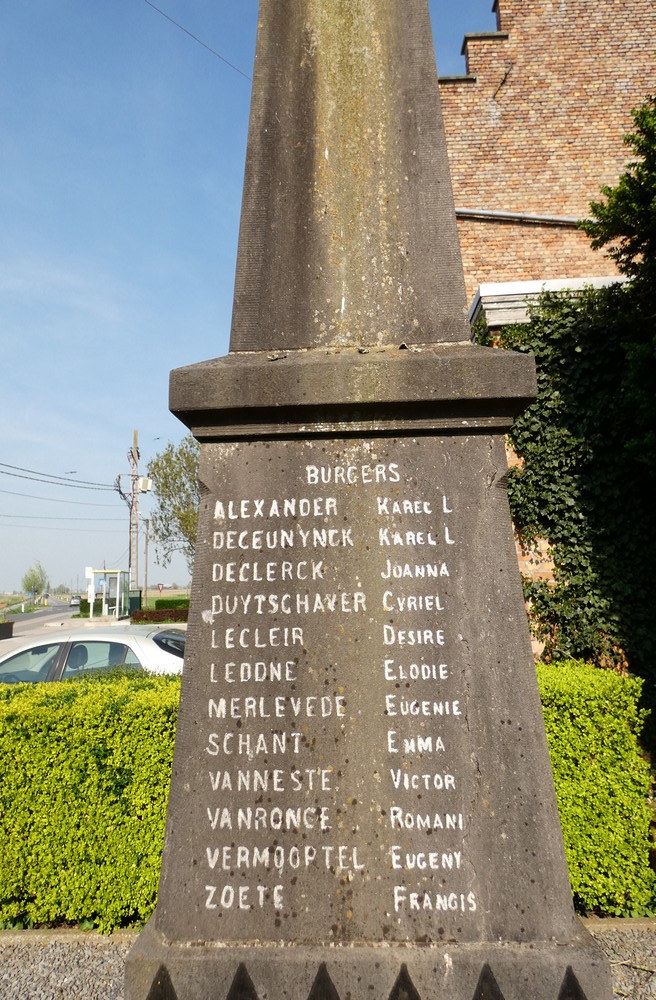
(535, 127)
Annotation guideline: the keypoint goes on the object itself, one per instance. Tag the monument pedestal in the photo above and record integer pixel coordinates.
(573, 971)
(361, 801)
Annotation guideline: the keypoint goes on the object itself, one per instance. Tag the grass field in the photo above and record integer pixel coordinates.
(6, 599)
(148, 600)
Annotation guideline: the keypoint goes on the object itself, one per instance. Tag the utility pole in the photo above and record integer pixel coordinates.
(138, 484)
(133, 563)
(145, 586)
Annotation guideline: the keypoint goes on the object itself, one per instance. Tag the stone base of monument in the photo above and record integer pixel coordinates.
(162, 970)
(361, 799)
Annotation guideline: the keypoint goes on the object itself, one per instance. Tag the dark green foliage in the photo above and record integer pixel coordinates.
(174, 521)
(167, 609)
(580, 487)
(158, 616)
(602, 784)
(85, 607)
(172, 602)
(85, 769)
(84, 774)
(624, 224)
(589, 442)
(35, 580)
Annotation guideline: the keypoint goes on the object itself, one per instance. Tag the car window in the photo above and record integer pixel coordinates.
(95, 654)
(131, 658)
(171, 643)
(31, 665)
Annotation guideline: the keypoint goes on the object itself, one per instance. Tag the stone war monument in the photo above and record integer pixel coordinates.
(361, 803)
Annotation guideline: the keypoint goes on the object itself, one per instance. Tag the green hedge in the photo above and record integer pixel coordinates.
(157, 616)
(85, 768)
(602, 783)
(172, 602)
(84, 774)
(85, 608)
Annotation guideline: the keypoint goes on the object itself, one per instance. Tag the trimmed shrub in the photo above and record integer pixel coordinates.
(85, 768)
(84, 775)
(85, 608)
(602, 783)
(172, 602)
(159, 615)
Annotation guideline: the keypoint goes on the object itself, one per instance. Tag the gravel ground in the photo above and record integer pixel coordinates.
(631, 949)
(62, 965)
(66, 965)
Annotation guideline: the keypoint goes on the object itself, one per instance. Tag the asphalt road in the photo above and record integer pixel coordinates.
(56, 615)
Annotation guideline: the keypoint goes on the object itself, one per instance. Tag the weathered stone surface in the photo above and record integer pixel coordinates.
(361, 754)
(420, 387)
(361, 776)
(493, 971)
(348, 233)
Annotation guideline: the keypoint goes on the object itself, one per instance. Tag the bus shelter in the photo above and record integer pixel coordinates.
(108, 593)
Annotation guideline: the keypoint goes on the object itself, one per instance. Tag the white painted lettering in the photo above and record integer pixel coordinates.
(399, 705)
(401, 819)
(399, 571)
(351, 475)
(461, 902)
(241, 510)
(425, 860)
(412, 637)
(414, 602)
(245, 638)
(415, 671)
(417, 782)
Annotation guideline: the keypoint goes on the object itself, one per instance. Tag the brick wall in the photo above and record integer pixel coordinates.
(536, 127)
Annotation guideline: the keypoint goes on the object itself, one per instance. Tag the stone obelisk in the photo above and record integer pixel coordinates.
(361, 803)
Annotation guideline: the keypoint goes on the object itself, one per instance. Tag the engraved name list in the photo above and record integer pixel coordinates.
(295, 811)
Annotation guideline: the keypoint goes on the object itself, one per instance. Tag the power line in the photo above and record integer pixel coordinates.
(65, 480)
(75, 503)
(200, 42)
(81, 531)
(37, 479)
(119, 562)
(46, 517)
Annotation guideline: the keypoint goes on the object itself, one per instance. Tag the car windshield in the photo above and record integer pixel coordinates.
(31, 665)
(171, 642)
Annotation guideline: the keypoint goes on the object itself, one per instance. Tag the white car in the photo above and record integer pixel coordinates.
(155, 648)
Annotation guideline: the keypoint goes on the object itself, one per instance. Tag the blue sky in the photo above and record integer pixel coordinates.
(122, 145)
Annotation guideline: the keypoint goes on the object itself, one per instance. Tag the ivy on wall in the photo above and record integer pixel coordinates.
(580, 486)
(588, 444)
